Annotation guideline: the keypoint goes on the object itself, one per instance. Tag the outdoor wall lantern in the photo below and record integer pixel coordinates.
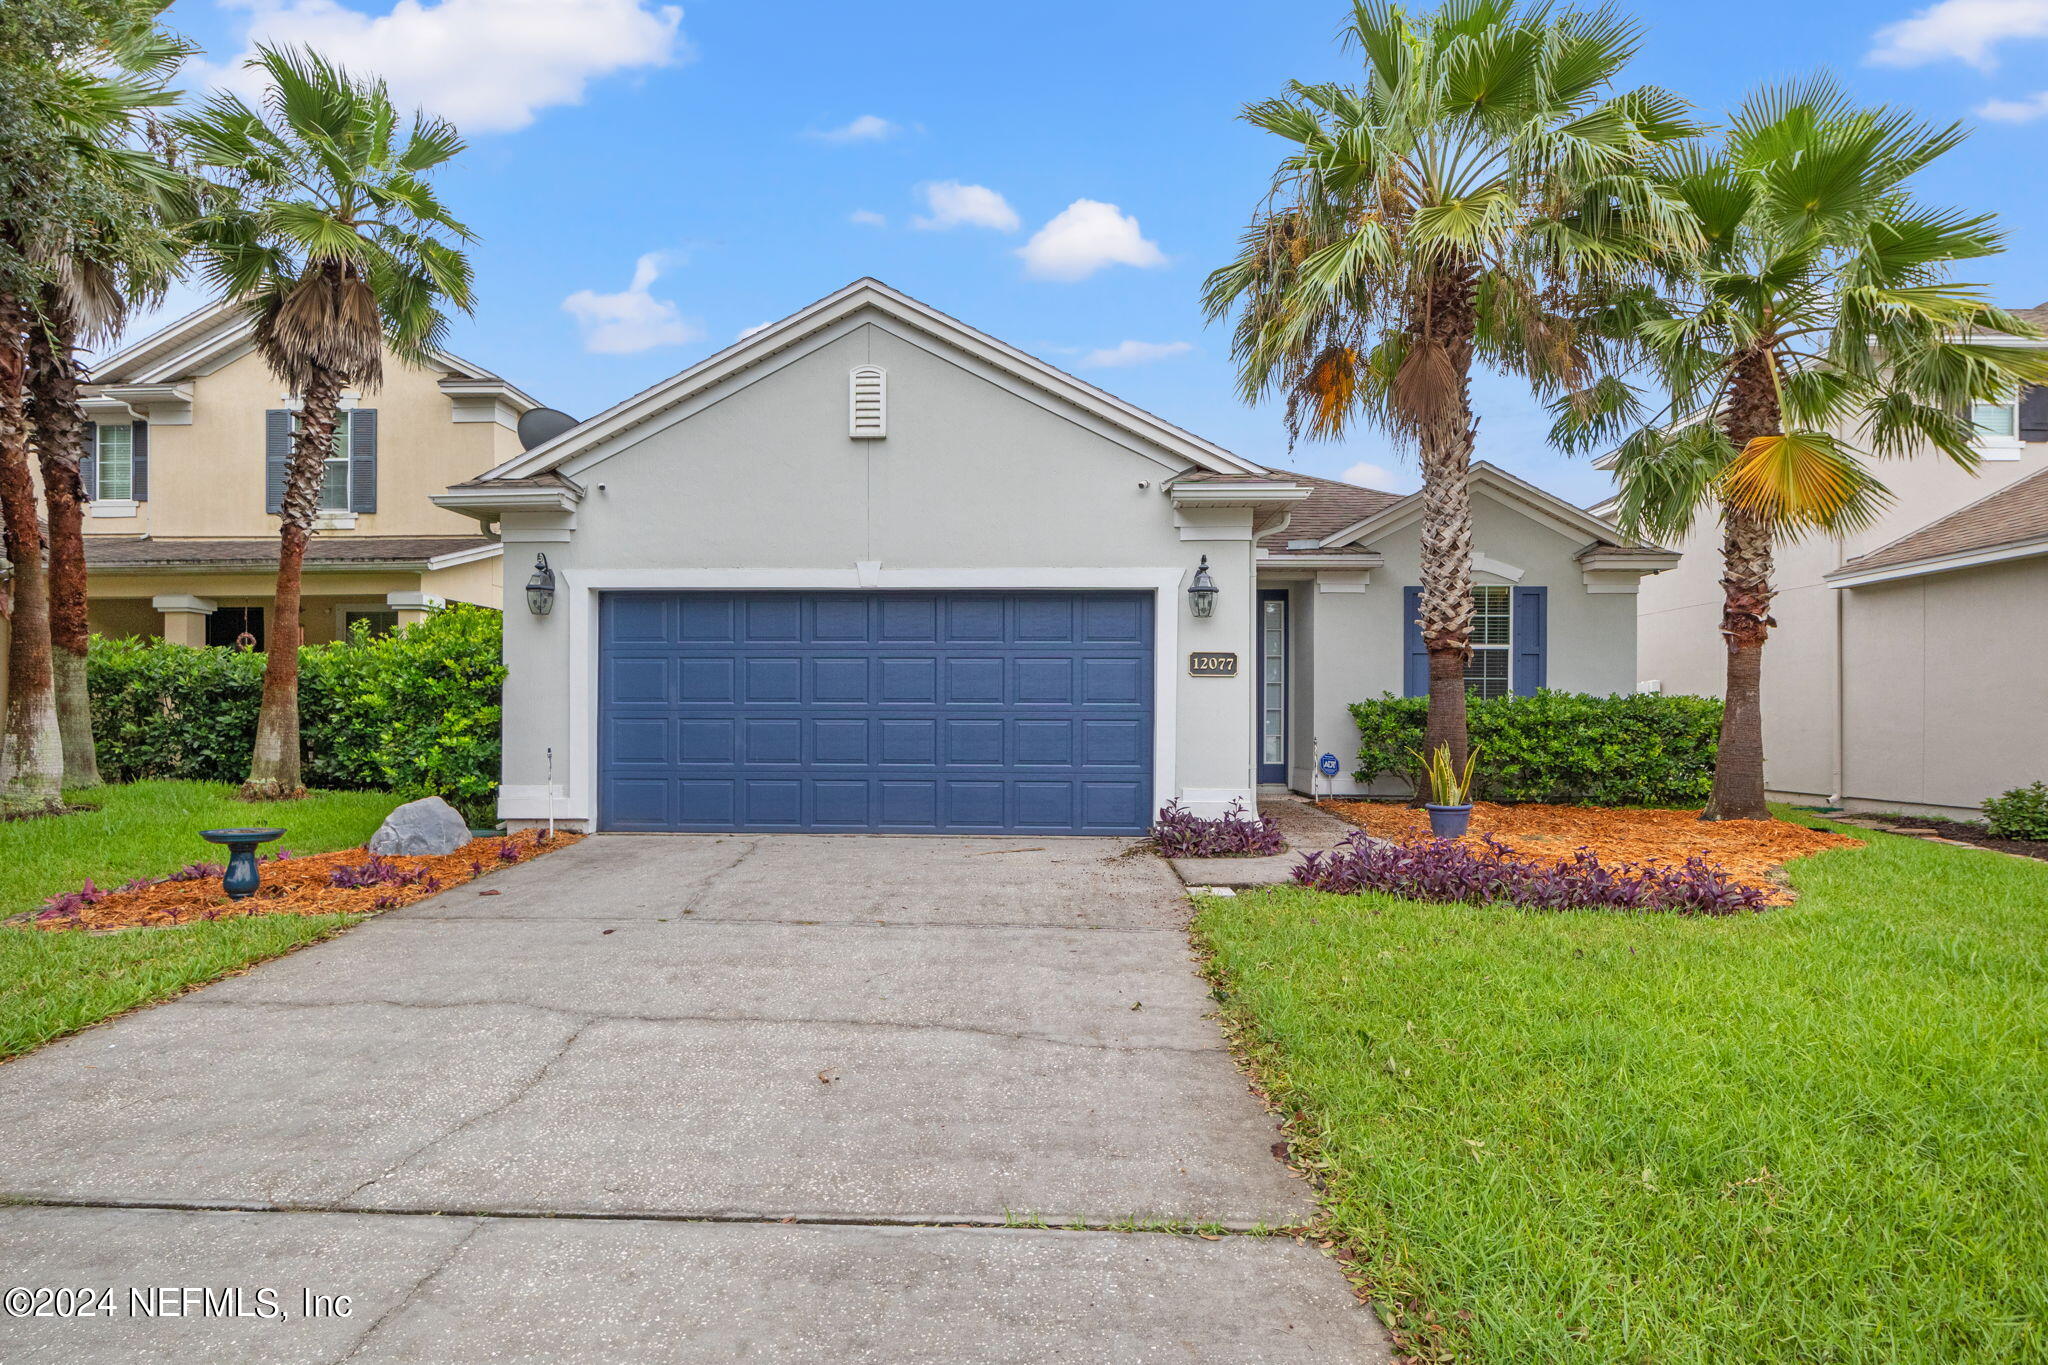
(1202, 592)
(540, 589)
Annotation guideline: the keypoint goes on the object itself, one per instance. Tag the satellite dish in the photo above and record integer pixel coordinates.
(542, 425)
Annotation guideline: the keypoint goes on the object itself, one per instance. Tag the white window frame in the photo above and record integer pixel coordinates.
(99, 465)
(1506, 648)
(1996, 445)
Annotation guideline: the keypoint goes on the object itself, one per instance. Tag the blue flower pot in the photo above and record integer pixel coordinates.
(1448, 822)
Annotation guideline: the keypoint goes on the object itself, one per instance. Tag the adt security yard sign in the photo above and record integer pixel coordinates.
(1328, 763)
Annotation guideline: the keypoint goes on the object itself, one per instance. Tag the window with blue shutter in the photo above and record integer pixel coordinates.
(1510, 633)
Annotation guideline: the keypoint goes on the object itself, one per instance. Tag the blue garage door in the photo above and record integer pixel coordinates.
(971, 712)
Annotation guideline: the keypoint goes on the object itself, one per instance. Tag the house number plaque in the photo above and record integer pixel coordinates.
(1212, 665)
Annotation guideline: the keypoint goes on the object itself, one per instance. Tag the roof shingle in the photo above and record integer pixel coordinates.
(141, 552)
(2014, 515)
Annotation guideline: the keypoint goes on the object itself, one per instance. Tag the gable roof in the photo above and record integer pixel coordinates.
(180, 349)
(1524, 496)
(767, 347)
(2009, 524)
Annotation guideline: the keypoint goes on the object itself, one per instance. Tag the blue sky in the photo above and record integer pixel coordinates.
(649, 181)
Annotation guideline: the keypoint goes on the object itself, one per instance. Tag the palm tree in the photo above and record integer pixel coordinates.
(66, 104)
(1471, 202)
(120, 252)
(326, 228)
(1821, 305)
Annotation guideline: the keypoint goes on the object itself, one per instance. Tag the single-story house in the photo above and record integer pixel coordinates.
(869, 569)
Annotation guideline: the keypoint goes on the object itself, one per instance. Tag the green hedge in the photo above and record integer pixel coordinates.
(1562, 747)
(415, 712)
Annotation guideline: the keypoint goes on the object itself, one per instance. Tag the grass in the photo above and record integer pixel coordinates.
(53, 983)
(1815, 1134)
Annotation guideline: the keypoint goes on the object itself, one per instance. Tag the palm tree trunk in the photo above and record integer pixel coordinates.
(1442, 359)
(1746, 544)
(59, 433)
(31, 750)
(274, 767)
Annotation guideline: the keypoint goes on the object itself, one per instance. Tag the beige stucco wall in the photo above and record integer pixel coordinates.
(206, 478)
(974, 479)
(1680, 643)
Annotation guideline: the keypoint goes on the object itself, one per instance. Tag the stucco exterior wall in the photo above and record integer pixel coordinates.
(1680, 643)
(980, 482)
(1945, 693)
(206, 477)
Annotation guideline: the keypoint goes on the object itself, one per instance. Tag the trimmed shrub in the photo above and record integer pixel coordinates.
(1446, 870)
(2021, 813)
(1562, 748)
(415, 712)
(1182, 834)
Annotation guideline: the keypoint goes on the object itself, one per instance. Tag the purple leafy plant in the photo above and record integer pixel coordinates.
(71, 903)
(1180, 833)
(508, 852)
(1446, 870)
(381, 871)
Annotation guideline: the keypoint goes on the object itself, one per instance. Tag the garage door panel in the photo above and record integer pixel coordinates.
(982, 711)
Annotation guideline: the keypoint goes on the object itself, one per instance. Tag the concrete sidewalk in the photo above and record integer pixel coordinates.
(688, 1098)
(1305, 827)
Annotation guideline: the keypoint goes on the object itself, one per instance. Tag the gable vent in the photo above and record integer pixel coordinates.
(868, 395)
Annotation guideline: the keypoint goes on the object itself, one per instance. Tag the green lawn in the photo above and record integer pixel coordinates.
(1815, 1134)
(52, 983)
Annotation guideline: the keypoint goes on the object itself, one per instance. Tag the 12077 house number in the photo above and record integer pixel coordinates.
(1212, 665)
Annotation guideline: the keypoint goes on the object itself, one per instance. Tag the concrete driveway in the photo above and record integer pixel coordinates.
(785, 1098)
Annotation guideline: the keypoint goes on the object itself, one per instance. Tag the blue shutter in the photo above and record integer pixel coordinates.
(2034, 413)
(362, 460)
(1531, 668)
(89, 463)
(139, 478)
(1415, 675)
(277, 458)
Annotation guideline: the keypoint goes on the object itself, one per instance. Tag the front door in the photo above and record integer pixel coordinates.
(1272, 694)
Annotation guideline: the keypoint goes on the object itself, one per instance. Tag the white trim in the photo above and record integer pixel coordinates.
(1337, 580)
(334, 519)
(1848, 578)
(579, 591)
(500, 498)
(1278, 493)
(1485, 563)
(411, 599)
(1522, 495)
(1269, 562)
(839, 309)
(183, 602)
(470, 556)
(112, 507)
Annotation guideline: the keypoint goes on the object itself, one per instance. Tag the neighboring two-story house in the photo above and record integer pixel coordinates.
(1909, 667)
(191, 434)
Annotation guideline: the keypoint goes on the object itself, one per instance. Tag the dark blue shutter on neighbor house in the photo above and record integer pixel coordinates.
(277, 455)
(89, 467)
(362, 460)
(2034, 413)
(138, 487)
(1531, 635)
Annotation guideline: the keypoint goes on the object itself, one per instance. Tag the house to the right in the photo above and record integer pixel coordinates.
(1909, 667)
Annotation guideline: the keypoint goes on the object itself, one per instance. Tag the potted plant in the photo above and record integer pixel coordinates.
(1450, 790)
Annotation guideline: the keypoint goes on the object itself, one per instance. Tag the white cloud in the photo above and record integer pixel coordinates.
(1964, 30)
(867, 218)
(866, 128)
(757, 327)
(1135, 353)
(632, 320)
(1086, 236)
(2015, 111)
(490, 65)
(1368, 475)
(953, 204)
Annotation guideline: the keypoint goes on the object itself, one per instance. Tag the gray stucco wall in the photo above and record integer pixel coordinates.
(979, 482)
(1358, 637)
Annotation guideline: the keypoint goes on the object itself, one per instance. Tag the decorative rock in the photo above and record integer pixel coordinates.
(421, 829)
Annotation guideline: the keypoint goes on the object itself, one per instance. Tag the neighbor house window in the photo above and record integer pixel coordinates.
(379, 621)
(115, 464)
(334, 489)
(1487, 671)
(1997, 422)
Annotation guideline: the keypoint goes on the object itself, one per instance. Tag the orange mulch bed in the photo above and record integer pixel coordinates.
(299, 886)
(1749, 851)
